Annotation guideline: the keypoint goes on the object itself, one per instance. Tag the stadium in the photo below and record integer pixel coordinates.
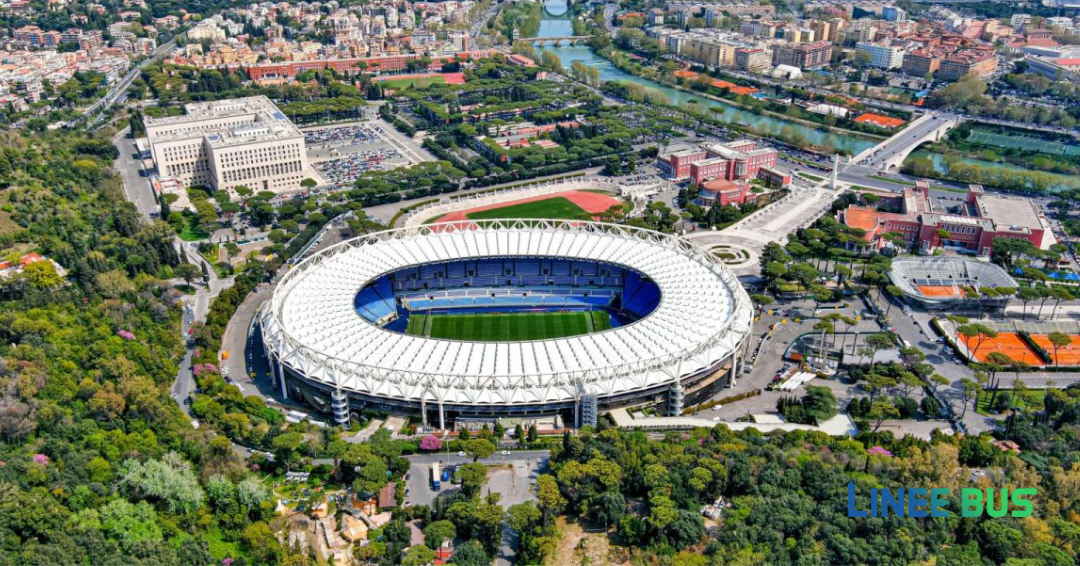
(943, 282)
(478, 320)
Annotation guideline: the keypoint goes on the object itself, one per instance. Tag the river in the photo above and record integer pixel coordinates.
(553, 26)
(1062, 182)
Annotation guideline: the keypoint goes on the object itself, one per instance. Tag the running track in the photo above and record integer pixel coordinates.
(587, 201)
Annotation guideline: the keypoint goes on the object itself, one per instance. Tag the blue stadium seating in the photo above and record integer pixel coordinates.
(376, 301)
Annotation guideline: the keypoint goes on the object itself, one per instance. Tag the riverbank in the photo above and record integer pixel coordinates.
(1002, 176)
(606, 55)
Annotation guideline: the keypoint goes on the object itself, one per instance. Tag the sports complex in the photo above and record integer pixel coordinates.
(473, 320)
(944, 282)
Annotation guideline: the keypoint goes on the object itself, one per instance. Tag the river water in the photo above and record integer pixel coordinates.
(553, 26)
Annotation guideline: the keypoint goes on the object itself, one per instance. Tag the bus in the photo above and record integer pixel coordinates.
(435, 476)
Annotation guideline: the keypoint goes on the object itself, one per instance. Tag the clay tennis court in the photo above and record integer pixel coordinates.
(1066, 355)
(940, 291)
(585, 200)
(1008, 343)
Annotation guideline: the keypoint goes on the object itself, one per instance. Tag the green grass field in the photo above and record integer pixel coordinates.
(1020, 141)
(507, 327)
(555, 207)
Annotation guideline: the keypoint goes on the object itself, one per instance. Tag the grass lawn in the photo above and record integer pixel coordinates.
(811, 177)
(1035, 395)
(504, 327)
(555, 207)
(419, 82)
(191, 230)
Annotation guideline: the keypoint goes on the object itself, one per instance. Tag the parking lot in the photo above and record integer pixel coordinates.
(511, 475)
(343, 151)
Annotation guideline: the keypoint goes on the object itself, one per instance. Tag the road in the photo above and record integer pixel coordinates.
(905, 141)
(136, 182)
(118, 93)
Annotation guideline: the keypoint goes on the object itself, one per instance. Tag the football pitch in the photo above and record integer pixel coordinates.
(507, 327)
(555, 207)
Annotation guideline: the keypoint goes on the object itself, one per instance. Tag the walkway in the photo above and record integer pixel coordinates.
(839, 425)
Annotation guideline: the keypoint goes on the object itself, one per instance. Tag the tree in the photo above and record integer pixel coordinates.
(418, 555)
(42, 275)
(877, 342)
(471, 553)
(286, 447)
(551, 499)
(976, 331)
(478, 448)
(819, 403)
(880, 411)
(1026, 295)
(969, 390)
(437, 532)
(473, 477)
(430, 443)
(1058, 340)
(262, 543)
(187, 272)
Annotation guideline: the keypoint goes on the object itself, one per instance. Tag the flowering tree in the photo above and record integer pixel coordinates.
(430, 442)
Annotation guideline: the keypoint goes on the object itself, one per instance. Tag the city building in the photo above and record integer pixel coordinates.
(802, 55)
(230, 143)
(724, 193)
(958, 65)
(893, 14)
(920, 63)
(734, 161)
(755, 60)
(969, 227)
(882, 56)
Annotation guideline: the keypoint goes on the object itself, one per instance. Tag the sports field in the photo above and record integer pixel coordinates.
(1020, 141)
(1008, 343)
(566, 205)
(507, 327)
(1066, 355)
(555, 207)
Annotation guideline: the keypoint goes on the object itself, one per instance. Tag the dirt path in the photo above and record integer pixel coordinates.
(575, 545)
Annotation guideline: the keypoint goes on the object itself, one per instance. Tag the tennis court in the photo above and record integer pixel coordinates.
(1066, 355)
(1008, 343)
(1021, 141)
(940, 290)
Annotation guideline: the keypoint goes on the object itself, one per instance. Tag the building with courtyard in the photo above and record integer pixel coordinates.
(967, 227)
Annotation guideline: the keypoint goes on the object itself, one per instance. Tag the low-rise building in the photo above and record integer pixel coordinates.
(882, 56)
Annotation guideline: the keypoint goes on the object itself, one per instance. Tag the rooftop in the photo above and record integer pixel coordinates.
(1011, 212)
(263, 121)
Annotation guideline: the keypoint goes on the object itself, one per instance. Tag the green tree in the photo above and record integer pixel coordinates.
(478, 448)
(418, 555)
(437, 532)
(473, 477)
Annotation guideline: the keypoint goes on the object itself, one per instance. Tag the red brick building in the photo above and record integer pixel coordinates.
(733, 161)
(969, 227)
(386, 63)
(724, 193)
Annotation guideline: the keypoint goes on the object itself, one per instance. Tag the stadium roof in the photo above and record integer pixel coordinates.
(311, 323)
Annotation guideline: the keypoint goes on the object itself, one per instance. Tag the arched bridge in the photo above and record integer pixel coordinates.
(556, 40)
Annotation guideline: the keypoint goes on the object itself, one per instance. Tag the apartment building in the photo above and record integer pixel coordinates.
(802, 55)
(754, 60)
(958, 65)
(230, 143)
(882, 56)
(920, 63)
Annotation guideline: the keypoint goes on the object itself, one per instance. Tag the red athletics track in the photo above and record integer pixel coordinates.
(589, 202)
